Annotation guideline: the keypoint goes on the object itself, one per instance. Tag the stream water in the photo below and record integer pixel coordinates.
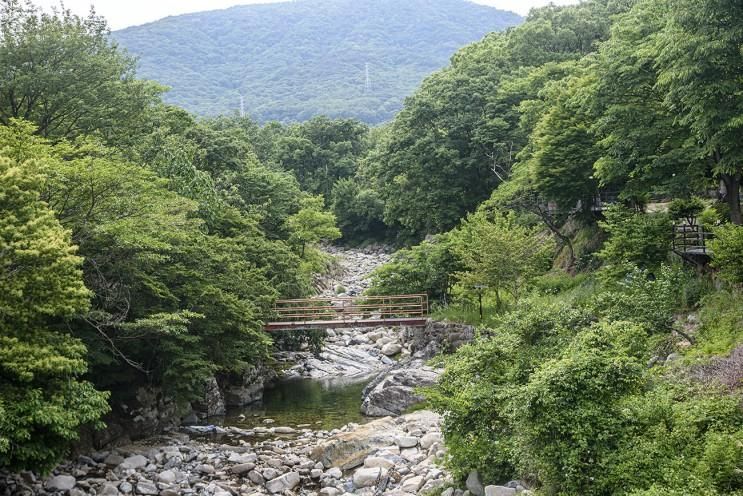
(320, 404)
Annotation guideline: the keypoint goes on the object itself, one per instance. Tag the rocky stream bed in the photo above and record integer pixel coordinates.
(253, 455)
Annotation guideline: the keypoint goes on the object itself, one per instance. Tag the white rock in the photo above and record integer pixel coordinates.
(430, 439)
(61, 483)
(147, 488)
(283, 483)
(474, 485)
(134, 462)
(367, 477)
(413, 484)
(406, 441)
(377, 462)
(499, 491)
(391, 349)
(167, 477)
(284, 430)
(329, 491)
(334, 472)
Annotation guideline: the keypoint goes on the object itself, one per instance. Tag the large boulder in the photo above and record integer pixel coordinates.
(249, 387)
(349, 449)
(283, 483)
(60, 483)
(367, 477)
(393, 392)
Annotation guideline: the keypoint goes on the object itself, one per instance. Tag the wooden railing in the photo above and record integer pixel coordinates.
(691, 239)
(364, 311)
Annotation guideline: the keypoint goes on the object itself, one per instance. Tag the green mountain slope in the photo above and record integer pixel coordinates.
(293, 60)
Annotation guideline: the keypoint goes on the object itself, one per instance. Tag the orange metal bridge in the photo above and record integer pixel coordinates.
(362, 311)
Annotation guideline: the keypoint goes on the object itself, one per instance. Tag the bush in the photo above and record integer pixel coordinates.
(727, 249)
(635, 238)
(426, 268)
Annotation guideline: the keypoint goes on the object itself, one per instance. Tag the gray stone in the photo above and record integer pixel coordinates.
(413, 484)
(391, 349)
(393, 392)
(134, 462)
(60, 483)
(109, 489)
(316, 473)
(334, 473)
(113, 460)
(406, 441)
(283, 483)
(474, 484)
(147, 488)
(125, 487)
(499, 491)
(329, 491)
(213, 399)
(348, 450)
(205, 469)
(378, 461)
(284, 430)
(430, 439)
(167, 477)
(256, 478)
(448, 492)
(169, 492)
(367, 477)
(270, 473)
(243, 468)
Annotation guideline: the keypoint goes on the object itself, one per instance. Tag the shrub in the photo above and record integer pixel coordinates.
(727, 249)
(424, 268)
(635, 239)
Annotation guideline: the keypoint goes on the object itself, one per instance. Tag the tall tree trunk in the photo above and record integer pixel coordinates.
(732, 196)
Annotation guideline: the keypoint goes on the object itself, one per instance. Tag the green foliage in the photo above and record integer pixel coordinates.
(426, 268)
(359, 210)
(635, 238)
(315, 68)
(721, 317)
(460, 135)
(296, 340)
(63, 73)
(645, 300)
(311, 224)
(558, 393)
(727, 249)
(43, 399)
(499, 255)
(686, 209)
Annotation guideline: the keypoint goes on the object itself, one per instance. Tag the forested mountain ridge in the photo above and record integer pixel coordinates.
(291, 61)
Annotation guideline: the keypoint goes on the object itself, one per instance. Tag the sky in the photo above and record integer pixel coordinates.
(123, 13)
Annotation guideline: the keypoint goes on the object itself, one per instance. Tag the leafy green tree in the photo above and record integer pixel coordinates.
(63, 73)
(43, 399)
(311, 224)
(500, 255)
(321, 151)
(644, 148)
(359, 211)
(700, 68)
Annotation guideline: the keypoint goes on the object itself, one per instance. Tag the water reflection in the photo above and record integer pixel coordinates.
(320, 404)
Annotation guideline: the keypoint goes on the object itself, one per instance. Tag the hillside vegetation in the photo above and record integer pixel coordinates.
(541, 174)
(294, 60)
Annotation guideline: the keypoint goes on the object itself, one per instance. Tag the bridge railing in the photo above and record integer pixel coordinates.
(337, 311)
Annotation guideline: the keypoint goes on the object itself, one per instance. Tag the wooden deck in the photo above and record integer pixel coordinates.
(338, 313)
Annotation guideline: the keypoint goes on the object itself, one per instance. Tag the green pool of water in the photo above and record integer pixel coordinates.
(324, 404)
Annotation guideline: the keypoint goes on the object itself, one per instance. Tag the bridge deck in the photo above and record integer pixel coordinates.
(336, 313)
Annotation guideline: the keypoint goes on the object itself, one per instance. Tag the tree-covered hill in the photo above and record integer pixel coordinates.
(294, 60)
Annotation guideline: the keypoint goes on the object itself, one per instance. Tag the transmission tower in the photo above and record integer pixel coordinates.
(242, 106)
(367, 83)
